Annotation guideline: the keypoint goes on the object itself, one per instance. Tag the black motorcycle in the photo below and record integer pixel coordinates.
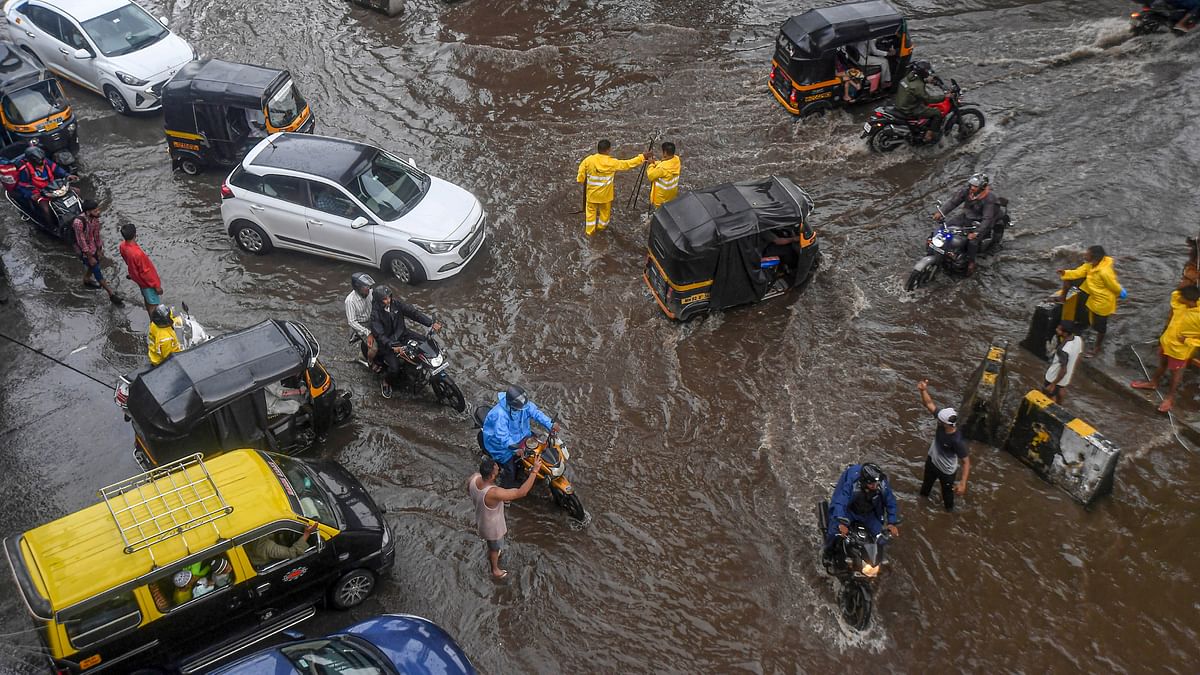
(855, 561)
(946, 249)
(1154, 16)
(425, 365)
(65, 206)
(888, 129)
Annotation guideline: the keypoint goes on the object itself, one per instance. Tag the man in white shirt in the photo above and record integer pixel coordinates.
(1067, 348)
(358, 313)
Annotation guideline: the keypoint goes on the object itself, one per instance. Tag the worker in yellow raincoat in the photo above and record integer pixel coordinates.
(1176, 345)
(664, 176)
(597, 172)
(1102, 289)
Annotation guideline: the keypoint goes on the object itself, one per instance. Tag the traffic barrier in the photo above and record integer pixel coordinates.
(1063, 449)
(1046, 316)
(389, 7)
(981, 405)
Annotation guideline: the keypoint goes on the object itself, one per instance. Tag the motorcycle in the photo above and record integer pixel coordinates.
(946, 248)
(188, 331)
(65, 206)
(1154, 16)
(855, 562)
(888, 129)
(427, 366)
(554, 465)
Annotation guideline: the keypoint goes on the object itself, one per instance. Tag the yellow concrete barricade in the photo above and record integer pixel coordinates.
(1062, 448)
(985, 393)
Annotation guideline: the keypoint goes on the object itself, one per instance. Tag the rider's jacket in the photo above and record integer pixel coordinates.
(985, 209)
(387, 322)
(913, 99)
(32, 179)
(850, 503)
(503, 428)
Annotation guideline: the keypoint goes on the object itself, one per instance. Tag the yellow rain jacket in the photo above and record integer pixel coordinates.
(1100, 283)
(162, 343)
(598, 171)
(664, 180)
(1183, 333)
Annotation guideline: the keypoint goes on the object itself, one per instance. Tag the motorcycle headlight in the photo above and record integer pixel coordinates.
(435, 246)
(557, 471)
(437, 360)
(131, 80)
(869, 570)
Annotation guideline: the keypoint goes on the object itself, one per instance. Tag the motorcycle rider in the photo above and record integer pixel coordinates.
(913, 99)
(864, 496)
(506, 427)
(980, 204)
(36, 173)
(392, 333)
(358, 313)
(1188, 21)
(161, 338)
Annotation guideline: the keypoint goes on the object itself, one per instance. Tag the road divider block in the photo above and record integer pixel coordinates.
(388, 7)
(1063, 449)
(1046, 316)
(985, 393)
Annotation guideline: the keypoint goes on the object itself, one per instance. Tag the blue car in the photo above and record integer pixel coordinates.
(385, 645)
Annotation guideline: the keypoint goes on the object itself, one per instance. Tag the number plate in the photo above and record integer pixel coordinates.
(866, 126)
(71, 200)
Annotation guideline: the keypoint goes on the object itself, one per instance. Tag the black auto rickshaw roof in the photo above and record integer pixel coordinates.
(16, 70)
(818, 31)
(698, 223)
(222, 82)
(184, 389)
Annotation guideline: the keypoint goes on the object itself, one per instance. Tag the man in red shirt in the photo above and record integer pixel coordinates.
(141, 270)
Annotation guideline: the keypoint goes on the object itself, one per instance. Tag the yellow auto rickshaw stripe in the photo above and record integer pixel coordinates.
(184, 134)
(654, 294)
(685, 287)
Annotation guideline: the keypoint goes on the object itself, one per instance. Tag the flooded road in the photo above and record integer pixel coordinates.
(698, 450)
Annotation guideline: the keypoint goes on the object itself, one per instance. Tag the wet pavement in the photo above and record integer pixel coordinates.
(698, 450)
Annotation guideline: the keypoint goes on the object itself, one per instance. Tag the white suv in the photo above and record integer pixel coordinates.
(113, 47)
(353, 202)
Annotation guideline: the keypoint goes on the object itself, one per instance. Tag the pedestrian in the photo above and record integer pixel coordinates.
(1176, 344)
(91, 249)
(597, 172)
(489, 500)
(946, 451)
(1068, 347)
(1100, 292)
(141, 271)
(1191, 272)
(663, 175)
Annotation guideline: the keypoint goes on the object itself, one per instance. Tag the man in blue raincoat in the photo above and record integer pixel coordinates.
(862, 495)
(507, 425)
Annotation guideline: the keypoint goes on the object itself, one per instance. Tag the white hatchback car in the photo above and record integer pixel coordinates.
(113, 47)
(353, 202)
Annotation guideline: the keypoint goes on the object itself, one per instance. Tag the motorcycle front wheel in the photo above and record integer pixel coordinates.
(969, 122)
(918, 278)
(856, 602)
(570, 503)
(448, 393)
(886, 140)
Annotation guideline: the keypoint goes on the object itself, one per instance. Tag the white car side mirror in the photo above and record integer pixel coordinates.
(162, 20)
(82, 54)
(359, 223)
(412, 162)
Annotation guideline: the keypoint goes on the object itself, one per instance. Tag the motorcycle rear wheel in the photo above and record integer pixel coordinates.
(570, 503)
(886, 140)
(448, 393)
(856, 602)
(969, 123)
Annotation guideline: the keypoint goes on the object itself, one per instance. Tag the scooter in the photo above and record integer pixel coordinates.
(946, 248)
(888, 129)
(188, 331)
(65, 206)
(427, 366)
(1154, 16)
(855, 562)
(554, 465)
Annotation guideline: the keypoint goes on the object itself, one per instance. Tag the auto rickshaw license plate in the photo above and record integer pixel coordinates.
(51, 126)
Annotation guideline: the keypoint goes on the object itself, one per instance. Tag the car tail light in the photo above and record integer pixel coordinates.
(226, 192)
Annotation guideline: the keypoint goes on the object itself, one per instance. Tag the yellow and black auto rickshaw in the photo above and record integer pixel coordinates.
(841, 55)
(33, 108)
(215, 111)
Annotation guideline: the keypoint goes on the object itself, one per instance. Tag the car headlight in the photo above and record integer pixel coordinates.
(131, 80)
(435, 246)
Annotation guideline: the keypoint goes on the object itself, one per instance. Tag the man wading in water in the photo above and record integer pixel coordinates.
(489, 501)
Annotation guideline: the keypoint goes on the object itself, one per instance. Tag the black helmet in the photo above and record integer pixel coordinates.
(35, 154)
(870, 473)
(381, 291)
(516, 398)
(361, 281)
(161, 316)
(979, 180)
(922, 68)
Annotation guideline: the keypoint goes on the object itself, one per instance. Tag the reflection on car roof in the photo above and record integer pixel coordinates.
(333, 158)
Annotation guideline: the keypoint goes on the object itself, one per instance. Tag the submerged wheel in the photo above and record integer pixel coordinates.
(116, 100)
(570, 503)
(886, 140)
(914, 280)
(856, 605)
(448, 393)
(250, 238)
(190, 167)
(342, 410)
(350, 591)
(969, 123)
(404, 267)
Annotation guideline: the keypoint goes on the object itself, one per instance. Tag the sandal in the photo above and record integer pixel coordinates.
(1143, 384)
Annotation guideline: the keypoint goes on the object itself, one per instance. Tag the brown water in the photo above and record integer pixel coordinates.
(698, 450)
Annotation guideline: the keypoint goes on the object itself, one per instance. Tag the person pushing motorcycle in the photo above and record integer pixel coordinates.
(914, 101)
(506, 427)
(980, 204)
(862, 496)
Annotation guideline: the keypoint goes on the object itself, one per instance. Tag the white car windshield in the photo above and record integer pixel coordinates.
(124, 30)
(388, 187)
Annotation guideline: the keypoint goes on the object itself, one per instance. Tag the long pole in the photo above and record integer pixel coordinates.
(641, 174)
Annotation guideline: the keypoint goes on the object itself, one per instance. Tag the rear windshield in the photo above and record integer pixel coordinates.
(305, 493)
(34, 103)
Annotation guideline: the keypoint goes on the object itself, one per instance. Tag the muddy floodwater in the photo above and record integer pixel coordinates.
(698, 450)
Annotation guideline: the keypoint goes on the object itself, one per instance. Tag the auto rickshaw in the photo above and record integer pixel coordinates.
(215, 111)
(33, 108)
(239, 390)
(733, 244)
(836, 56)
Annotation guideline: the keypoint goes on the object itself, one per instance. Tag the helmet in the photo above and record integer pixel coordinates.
(381, 291)
(979, 180)
(35, 154)
(922, 68)
(516, 398)
(870, 473)
(361, 281)
(162, 316)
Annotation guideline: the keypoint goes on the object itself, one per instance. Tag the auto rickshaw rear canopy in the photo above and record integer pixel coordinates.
(820, 31)
(223, 83)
